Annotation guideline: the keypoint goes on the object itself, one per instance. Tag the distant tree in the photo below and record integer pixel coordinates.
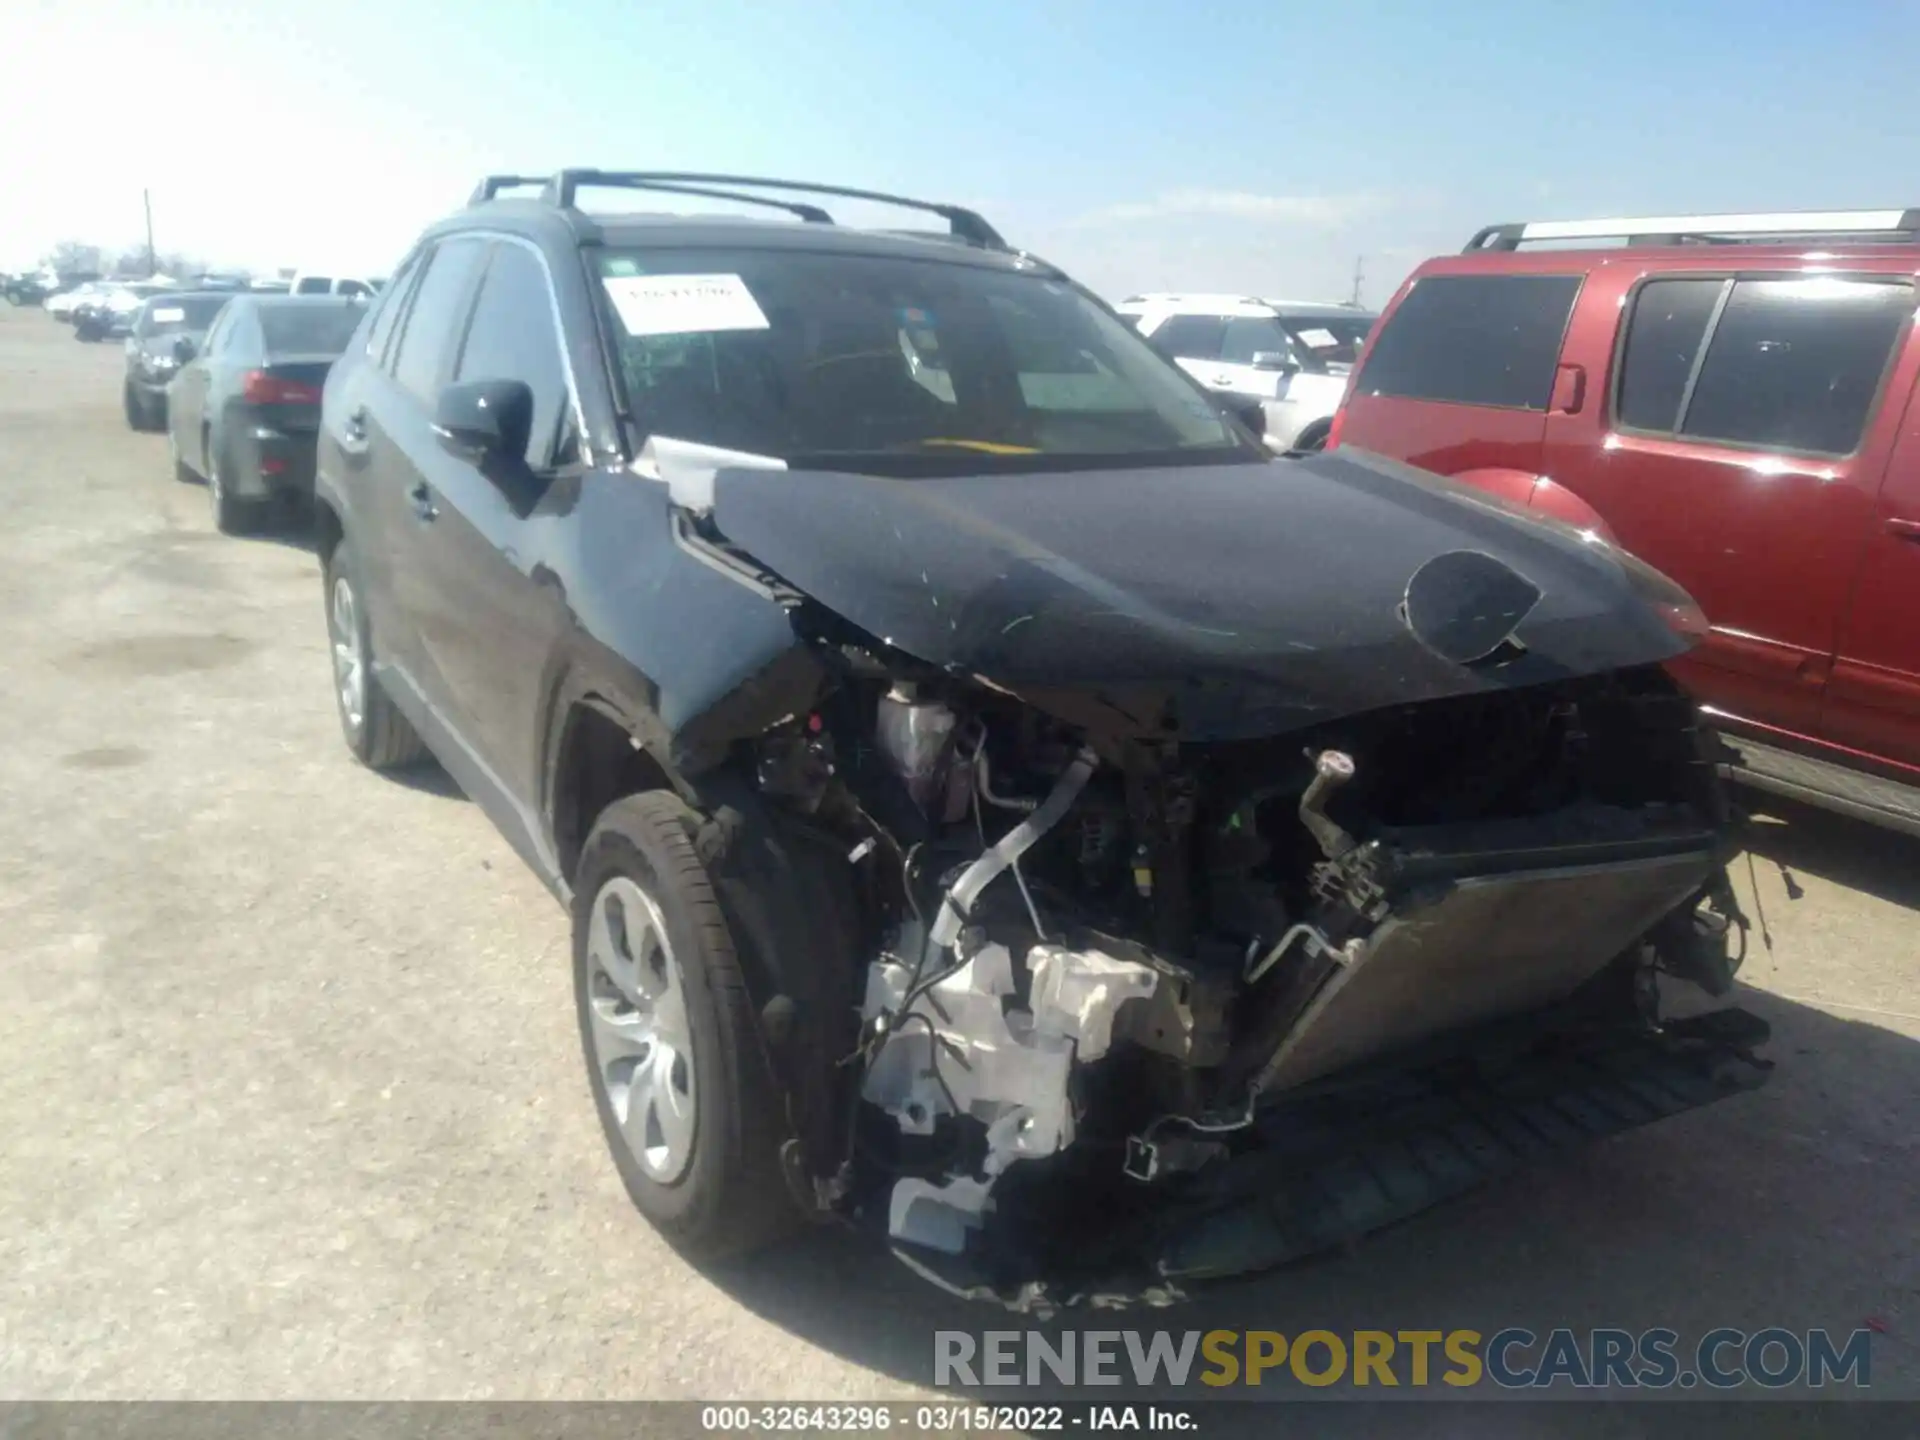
(70, 256)
(178, 263)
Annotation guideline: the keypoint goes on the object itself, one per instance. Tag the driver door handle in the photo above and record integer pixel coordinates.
(423, 507)
(353, 431)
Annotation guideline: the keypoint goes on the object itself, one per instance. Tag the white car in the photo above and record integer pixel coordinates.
(63, 305)
(123, 302)
(1294, 357)
(315, 282)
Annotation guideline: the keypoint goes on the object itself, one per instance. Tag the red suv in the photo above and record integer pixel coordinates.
(1731, 398)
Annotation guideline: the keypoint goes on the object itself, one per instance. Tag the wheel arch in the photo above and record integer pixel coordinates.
(328, 529)
(790, 897)
(596, 757)
(1313, 435)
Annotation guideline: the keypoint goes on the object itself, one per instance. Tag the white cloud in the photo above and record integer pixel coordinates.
(1295, 246)
(1324, 211)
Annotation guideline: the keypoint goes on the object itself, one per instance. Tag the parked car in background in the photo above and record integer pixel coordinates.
(155, 351)
(242, 412)
(939, 719)
(312, 282)
(63, 304)
(27, 287)
(1292, 357)
(110, 312)
(1731, 397)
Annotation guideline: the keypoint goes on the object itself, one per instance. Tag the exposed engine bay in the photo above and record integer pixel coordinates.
(1134, 1006)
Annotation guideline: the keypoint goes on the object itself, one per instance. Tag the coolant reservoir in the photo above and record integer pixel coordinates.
(916, 736)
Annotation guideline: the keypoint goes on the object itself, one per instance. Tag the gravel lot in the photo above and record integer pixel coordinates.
(291, 1096)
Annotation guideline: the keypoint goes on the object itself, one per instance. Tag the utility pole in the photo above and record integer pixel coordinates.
(1359, 274)
(146, 199)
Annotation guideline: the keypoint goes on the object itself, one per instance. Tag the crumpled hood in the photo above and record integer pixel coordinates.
(1222, 601)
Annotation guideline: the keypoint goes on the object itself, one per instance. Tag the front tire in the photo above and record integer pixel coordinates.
(182, 472)
(380, 737)
(679, 1074)
(139, 415)
(1313, 439)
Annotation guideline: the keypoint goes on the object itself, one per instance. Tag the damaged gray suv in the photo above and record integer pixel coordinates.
(1000, 806)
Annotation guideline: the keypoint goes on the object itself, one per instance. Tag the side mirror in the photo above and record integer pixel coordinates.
(481, 420)
(1278, 360)
(183, 349)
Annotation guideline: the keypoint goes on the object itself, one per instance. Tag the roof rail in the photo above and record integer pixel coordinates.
(560, 189)
(492, 185)
(1890, 226)
(813, 214)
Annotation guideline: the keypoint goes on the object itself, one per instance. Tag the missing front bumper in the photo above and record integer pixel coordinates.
(1333, 1163)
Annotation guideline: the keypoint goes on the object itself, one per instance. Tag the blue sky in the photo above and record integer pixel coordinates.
(1218, 145)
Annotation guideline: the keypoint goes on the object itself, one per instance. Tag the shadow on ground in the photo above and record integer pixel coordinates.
(1790, 1206)
(429, 779)
(1882, 863)
(295, 532)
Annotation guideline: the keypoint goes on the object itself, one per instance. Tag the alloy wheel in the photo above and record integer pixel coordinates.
(642, 1044)
(349, 662)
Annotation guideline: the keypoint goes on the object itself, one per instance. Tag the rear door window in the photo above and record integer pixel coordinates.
(1191, 337)
(1327, 344)
(1670, 319)
(1250, 335)
(1474, 340)
(438, 309)
(392, 301)
(1795, 364)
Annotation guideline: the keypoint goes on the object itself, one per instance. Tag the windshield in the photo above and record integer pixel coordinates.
(293, 328)
(1327, 343)
(179, 315)
(806, 355)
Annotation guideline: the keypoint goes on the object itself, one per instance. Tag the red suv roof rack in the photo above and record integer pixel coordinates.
(1777, 227)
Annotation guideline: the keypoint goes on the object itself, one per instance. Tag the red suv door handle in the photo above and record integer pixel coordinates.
(1903, 529)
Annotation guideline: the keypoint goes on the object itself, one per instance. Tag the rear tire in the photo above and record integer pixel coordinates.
(1313, 439)
(380, 737)
(675, 1058)
(231, 514)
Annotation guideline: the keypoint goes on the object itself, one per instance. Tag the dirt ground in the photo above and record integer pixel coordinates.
(292, 1104)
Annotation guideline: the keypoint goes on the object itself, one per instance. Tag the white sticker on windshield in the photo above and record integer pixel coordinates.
(684, 304)
(163, 313)
(1318, 339)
